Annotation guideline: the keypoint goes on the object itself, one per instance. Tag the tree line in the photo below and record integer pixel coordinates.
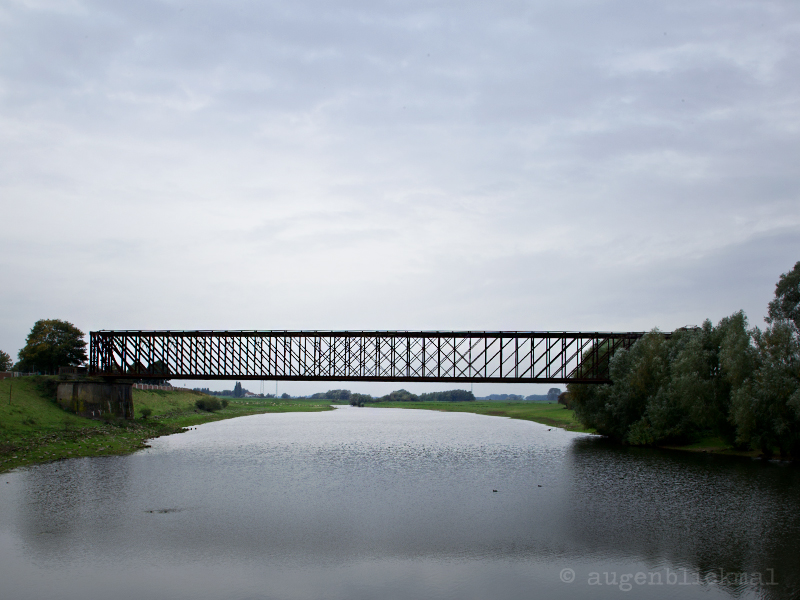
(395, 396)
(728, 380)
(552, 395)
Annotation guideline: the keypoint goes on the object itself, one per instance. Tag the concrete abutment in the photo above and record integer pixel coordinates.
(96, 399)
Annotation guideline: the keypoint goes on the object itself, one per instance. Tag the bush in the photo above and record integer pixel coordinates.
(208, 404)
(224, 403)
(146, 412)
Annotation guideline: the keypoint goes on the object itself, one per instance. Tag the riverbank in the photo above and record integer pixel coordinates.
(545, 413)
(34, 429)
(555, 415)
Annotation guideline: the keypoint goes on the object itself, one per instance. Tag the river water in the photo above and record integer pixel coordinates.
(391, 503)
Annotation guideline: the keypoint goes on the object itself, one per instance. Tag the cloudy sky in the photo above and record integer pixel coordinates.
(307, 164)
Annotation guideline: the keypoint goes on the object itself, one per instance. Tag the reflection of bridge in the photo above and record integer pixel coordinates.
(447, 356)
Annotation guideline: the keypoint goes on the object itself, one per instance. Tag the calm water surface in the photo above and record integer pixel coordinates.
(389, 503)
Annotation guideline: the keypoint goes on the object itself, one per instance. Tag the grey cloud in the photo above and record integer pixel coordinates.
(580, 164)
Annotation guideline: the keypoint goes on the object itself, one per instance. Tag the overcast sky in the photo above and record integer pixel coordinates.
(543, 165)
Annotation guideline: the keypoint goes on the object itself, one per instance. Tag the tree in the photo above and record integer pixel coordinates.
(52, 343)
(237, 390)
(766, 408)
(5, 361)
(786, 305)
(671, 390)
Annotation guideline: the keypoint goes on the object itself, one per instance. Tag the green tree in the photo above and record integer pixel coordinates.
(674, 389)
(5, 361)
(786, 305)
(52, 343)
(766, 408)
(637, 374)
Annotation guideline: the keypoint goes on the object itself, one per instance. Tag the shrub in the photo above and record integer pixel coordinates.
(224, 403)
(146, 412)
(208, 404)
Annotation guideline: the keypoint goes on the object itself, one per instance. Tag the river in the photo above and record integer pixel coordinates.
(398, 504)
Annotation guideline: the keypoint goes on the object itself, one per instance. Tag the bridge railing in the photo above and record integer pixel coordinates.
(434, 356)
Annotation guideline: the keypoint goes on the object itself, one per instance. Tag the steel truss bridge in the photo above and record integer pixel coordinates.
(436, 356)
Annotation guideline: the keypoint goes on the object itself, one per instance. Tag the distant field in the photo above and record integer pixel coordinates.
(541, 412)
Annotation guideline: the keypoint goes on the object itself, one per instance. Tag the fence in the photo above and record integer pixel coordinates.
(9, 374)
(169, 388)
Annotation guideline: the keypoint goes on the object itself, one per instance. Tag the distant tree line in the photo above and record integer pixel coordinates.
(552, 395)
(237, 392)
(357, 399)
(741, 384)
(332, 395)
(446, 396)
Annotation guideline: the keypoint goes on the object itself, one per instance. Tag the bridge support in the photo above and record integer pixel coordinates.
(95, 399)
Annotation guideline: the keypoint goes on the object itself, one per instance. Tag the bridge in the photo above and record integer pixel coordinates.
(421, 356)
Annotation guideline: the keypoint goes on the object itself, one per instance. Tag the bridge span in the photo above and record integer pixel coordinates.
(432, 356)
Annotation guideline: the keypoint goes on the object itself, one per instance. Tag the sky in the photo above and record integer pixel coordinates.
(611, 165)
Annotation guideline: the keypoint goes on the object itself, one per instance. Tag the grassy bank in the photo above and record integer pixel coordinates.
(554, 415)
(34, 429)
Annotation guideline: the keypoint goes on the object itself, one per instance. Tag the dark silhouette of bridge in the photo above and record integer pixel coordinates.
(434, 356)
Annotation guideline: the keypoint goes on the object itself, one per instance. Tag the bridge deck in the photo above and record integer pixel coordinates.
(436, 356)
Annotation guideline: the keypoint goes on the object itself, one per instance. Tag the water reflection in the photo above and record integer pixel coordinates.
(708, 514)
(366, 502)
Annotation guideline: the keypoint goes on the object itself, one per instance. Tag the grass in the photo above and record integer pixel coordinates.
(551, 414)
(34, 429)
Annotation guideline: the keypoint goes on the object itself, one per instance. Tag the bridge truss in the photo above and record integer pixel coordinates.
(435, 356)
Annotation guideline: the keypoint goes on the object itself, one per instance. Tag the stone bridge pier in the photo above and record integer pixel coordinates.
(95, 399)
